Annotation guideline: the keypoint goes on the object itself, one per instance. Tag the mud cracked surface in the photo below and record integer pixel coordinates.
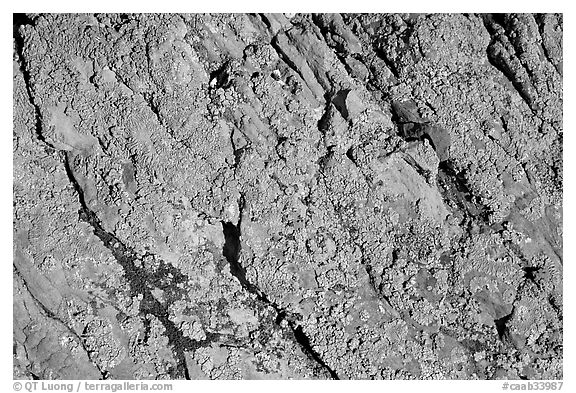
(287, 196)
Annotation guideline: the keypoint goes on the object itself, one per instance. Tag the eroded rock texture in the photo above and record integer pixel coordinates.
(288, 196)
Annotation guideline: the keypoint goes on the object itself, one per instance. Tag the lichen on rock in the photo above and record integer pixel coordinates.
(288, 196)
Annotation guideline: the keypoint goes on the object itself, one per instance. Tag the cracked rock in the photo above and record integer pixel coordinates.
(287, 196)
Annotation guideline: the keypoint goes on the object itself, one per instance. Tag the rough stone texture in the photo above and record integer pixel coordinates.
(288, 196)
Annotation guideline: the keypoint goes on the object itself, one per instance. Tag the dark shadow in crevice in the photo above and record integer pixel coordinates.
(501, 327)
(304, 342)
(231, 250)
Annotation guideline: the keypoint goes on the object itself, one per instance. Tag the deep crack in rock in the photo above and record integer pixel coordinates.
(231, 250)
(140, 280)
(364, 196)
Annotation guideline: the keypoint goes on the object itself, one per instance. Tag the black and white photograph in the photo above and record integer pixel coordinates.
(287, 196)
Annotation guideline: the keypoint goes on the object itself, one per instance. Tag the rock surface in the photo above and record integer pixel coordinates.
(287, 196)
